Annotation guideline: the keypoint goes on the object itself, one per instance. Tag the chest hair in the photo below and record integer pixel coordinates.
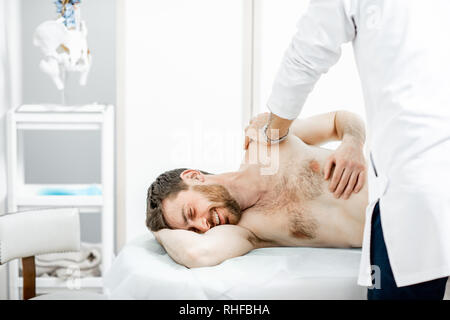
(292, 189)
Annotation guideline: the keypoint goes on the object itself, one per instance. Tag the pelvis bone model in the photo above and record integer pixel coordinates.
(64, 50)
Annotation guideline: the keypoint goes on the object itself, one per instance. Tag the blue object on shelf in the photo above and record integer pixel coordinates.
(89, 191)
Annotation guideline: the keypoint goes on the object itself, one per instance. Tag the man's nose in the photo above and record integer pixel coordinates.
(202, 225)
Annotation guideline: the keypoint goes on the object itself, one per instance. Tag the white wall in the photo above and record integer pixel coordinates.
(338, 89)
(182, 93)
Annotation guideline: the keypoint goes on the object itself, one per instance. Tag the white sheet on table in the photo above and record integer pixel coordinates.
(143, 270)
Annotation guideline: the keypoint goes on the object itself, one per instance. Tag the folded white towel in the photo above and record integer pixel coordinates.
(83, 263)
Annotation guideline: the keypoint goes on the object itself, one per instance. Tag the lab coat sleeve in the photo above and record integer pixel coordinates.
(315, 47)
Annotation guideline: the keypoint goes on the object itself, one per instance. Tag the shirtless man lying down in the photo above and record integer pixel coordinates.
(203, 219)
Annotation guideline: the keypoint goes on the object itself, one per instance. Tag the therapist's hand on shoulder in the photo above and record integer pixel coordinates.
(253, 132)
(349, 169)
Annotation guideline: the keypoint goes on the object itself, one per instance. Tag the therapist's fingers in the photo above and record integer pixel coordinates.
(342, 183)
(337, 174)
(251, 134)
(246, 142)
(351, 185)
(252, 130)
(360, 183)
(246, 139)
(328, 166)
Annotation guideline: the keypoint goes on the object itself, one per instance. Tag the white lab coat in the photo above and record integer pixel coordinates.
(402, 50)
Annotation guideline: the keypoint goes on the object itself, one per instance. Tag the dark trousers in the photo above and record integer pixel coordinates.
(388, 290)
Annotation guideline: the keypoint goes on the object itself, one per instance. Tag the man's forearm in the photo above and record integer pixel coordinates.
(181, 245)
(350, 128)
(211, 248)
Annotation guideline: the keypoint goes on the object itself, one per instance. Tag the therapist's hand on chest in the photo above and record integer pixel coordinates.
(345, 168)
(349, 168)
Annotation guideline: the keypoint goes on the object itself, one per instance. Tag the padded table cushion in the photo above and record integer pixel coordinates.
(143, 270)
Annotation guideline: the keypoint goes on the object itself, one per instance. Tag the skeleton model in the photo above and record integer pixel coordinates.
(64, 44)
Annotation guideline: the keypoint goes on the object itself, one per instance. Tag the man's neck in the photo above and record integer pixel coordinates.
(242, 185)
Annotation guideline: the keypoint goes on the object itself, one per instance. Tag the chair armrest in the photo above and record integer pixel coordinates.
(35, 232)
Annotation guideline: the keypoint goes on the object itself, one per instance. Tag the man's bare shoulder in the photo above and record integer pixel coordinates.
(258, 154)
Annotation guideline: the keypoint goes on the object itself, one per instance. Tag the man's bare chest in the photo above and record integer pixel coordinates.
(285, 213)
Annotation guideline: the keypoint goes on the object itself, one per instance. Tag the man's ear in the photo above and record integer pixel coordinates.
(192, 174)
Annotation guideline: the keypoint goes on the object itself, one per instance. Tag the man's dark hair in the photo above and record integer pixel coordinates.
(167, 184)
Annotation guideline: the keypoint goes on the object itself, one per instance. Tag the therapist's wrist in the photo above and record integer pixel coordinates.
(277, 127)
(273, 138)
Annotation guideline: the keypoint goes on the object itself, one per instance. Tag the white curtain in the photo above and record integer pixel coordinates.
(10, 77)
(10, 92)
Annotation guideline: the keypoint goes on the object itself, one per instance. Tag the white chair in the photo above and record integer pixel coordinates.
(26, 234)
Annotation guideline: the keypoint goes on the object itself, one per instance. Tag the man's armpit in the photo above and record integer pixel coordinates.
(257, 242)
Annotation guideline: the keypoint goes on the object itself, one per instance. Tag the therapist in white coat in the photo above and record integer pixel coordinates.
(402, 50)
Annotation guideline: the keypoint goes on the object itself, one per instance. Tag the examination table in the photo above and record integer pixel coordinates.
(143, 270)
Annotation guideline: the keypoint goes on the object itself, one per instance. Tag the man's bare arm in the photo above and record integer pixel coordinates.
(332, 126)
(316, 130)
(322, 128)
(350, 127)
(218, 244)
